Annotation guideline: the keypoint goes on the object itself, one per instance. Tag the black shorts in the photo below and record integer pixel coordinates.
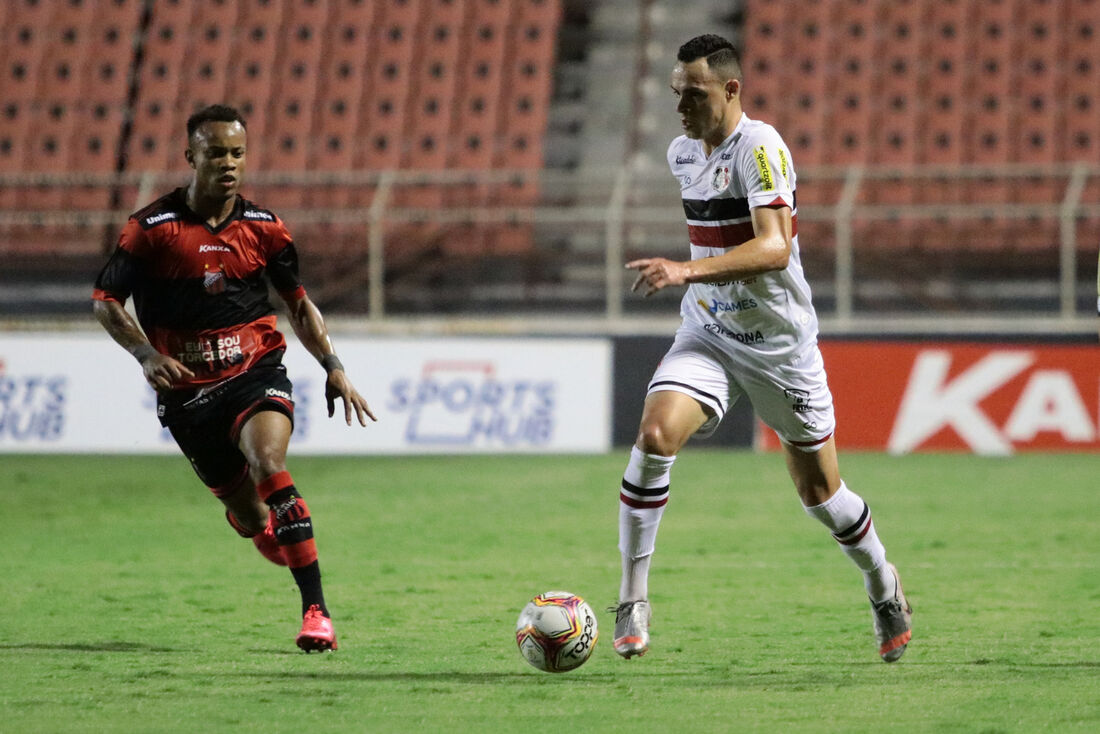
(207, 423)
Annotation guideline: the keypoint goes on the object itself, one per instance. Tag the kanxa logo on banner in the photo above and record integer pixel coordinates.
(469, 404)
(1048, 402)
(984, 398)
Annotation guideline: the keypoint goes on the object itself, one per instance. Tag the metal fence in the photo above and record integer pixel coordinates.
(1007, 249)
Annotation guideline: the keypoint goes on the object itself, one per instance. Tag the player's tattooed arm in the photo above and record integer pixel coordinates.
(160, 370)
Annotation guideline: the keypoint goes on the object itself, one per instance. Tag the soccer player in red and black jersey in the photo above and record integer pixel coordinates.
(197, 262)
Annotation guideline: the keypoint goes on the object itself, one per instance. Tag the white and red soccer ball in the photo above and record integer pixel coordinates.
(557, 631)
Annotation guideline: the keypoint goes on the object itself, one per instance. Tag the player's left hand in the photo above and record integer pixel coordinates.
(657, 273)
(337, 385)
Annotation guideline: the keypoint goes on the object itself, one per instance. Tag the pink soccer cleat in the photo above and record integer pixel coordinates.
(317, 632)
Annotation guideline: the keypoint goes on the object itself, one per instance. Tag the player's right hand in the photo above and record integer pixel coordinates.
(162, 371)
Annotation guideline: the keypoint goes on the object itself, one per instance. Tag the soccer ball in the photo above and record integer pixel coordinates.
(556, 631)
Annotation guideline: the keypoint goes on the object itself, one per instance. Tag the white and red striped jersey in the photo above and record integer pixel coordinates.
(770, 315)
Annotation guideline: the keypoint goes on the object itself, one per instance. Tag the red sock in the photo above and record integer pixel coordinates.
(290, 519)
(293, 527)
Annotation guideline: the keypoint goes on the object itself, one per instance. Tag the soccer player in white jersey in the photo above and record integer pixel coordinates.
(749, 330)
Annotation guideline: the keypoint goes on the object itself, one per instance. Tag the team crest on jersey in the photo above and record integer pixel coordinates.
(721, 179)
(213, 281)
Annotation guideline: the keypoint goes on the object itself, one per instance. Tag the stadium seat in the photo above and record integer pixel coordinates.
(1082, 124)
(476, 120)
(251, 73)
(1082, 80)
(434, 81)
(344, 84)
(383, 113)
(991, 127)
(106, 74)
(124, 14)
(766, 55)
(51, 133)
(206, 69)
(524, 110)
(299, 62)
(22, 56)
(13, 139)
(154, 143)
(94, 149)
(896, 130)
(98, 126)
(851, 95)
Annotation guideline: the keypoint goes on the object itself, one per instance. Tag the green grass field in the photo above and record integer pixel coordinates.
(132, 606)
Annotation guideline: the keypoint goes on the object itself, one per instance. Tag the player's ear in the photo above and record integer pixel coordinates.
(733, 89)
(190, 156)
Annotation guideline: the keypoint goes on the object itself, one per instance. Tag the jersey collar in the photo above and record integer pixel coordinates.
(235, 215)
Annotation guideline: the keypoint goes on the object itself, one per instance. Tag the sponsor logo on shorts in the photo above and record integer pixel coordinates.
(767, 183)
(273, 393)
(800, 400)
(745, 337)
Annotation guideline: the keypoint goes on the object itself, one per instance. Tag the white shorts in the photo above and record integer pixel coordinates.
(791, 397)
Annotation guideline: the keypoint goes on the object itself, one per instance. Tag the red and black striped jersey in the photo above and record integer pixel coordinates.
(200, 293)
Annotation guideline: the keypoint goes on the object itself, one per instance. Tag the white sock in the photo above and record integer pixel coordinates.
(642, 502)
(849, 519)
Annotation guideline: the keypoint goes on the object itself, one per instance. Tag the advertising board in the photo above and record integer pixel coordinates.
(991, 399)
(83, 393)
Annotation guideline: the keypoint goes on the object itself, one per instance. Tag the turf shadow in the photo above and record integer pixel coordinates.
(108, 646)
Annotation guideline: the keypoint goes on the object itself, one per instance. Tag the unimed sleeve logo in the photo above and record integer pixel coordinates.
(32, 407)
(469, 404)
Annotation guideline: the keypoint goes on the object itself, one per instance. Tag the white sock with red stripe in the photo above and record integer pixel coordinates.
(642, 501)
(849, 519)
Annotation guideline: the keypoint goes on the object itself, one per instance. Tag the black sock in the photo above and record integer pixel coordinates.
(308, 579)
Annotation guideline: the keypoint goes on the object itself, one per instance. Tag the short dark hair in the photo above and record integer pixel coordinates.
(213, 113)
(720, 54)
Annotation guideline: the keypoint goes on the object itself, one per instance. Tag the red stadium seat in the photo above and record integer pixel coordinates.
(98, 128)
(13, 140)
(383, 113)
(124, 14)
(206, 68)
(22, 56)
(344, 85)
(154, 144)
(434, 82)
(477, 111)
(106, 73)
(51, 132)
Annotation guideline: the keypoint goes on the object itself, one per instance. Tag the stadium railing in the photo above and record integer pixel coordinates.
(941, 257)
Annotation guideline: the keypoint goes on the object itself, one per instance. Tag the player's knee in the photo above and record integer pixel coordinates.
(654, 439)
(266, 462)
